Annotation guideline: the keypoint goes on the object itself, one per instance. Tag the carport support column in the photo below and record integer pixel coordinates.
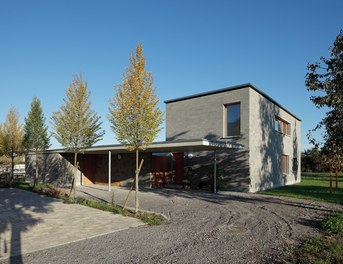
(215, 173)
(109, 170)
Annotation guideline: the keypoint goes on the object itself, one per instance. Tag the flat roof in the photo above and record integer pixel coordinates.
(165, 146)
(231, 88)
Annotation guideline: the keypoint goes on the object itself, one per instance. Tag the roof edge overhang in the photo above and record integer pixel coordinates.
(232, 88)
(165, 146)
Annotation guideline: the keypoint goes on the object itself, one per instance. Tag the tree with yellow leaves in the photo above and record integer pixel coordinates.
(133, 112)
(11, 138)
(76, 125)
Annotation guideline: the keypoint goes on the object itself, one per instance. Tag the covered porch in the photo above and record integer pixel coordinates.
(165, 163)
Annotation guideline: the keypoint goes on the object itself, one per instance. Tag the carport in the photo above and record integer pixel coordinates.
(117, 153)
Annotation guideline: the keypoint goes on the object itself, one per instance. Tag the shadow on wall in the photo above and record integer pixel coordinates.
(232, 170)
(177, 136)
(53, 168)
(211, 137)
(16, 219)
(271, 148)
(122, 169)
(232, 167)
(296, 157)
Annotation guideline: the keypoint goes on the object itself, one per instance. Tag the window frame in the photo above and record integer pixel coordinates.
(285, 166)
(282, 126)
(225, 126)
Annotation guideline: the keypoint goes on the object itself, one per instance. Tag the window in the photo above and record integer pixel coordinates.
(285, 164)
(233, 119)
(282, 126)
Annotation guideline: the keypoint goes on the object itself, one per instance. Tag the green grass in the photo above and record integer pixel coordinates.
(327, 248)
(149, 218)
(50, 190)
(314, 186)
(28, 186)
(94, 204)
(333, 224)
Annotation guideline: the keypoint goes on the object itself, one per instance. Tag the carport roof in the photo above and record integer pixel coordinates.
(165, 146)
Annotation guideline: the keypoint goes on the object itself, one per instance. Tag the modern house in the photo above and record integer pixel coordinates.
(240, 134)
(269, 134)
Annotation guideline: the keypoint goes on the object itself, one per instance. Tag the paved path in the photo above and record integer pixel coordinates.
(30, 222)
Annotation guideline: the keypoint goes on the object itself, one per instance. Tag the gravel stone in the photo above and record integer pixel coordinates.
(203, 227)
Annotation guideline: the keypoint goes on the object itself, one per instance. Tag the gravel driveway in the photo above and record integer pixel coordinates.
(203, 228)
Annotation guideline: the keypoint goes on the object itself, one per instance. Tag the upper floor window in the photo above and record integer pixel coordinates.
(233, 119)
(282, 126)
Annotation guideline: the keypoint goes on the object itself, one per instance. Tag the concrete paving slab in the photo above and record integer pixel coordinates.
(31, 222)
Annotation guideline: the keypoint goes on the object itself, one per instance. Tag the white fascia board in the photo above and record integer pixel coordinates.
(199, 145)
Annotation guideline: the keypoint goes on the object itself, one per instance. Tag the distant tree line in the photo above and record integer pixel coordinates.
(314, 160)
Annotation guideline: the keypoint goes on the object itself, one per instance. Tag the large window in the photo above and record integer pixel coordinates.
(285, 164)
(282, 126)
(233, 119)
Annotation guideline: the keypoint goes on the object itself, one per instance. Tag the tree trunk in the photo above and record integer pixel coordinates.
(72, 189)
(136, 196)
(36, 176)
(330, 178)
(12, 170)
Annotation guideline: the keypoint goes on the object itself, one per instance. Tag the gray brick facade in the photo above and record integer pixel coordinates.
(259, 164)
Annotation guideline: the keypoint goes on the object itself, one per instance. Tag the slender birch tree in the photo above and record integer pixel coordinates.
(11, 138)
(36, 137)
(76, 125)
(133, 111)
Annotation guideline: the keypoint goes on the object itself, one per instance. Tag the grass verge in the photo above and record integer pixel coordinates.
(333, 224)
(314, 186)
(149, 218)
(324, 249)
(51, 191)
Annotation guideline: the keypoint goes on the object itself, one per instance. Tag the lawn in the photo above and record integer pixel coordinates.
(314, 186)
(326, 248)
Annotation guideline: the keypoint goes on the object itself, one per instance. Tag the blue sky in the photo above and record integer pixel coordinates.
(190, 46)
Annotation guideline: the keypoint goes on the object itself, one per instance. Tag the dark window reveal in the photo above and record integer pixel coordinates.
(233, 115)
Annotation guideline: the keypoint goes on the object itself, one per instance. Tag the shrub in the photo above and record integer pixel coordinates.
(48, 190)
(333, 224)
(151, 219)
(94, 204)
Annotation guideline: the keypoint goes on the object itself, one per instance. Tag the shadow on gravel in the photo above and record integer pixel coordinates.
(310, 222)
(238, 197)
(94, 196)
